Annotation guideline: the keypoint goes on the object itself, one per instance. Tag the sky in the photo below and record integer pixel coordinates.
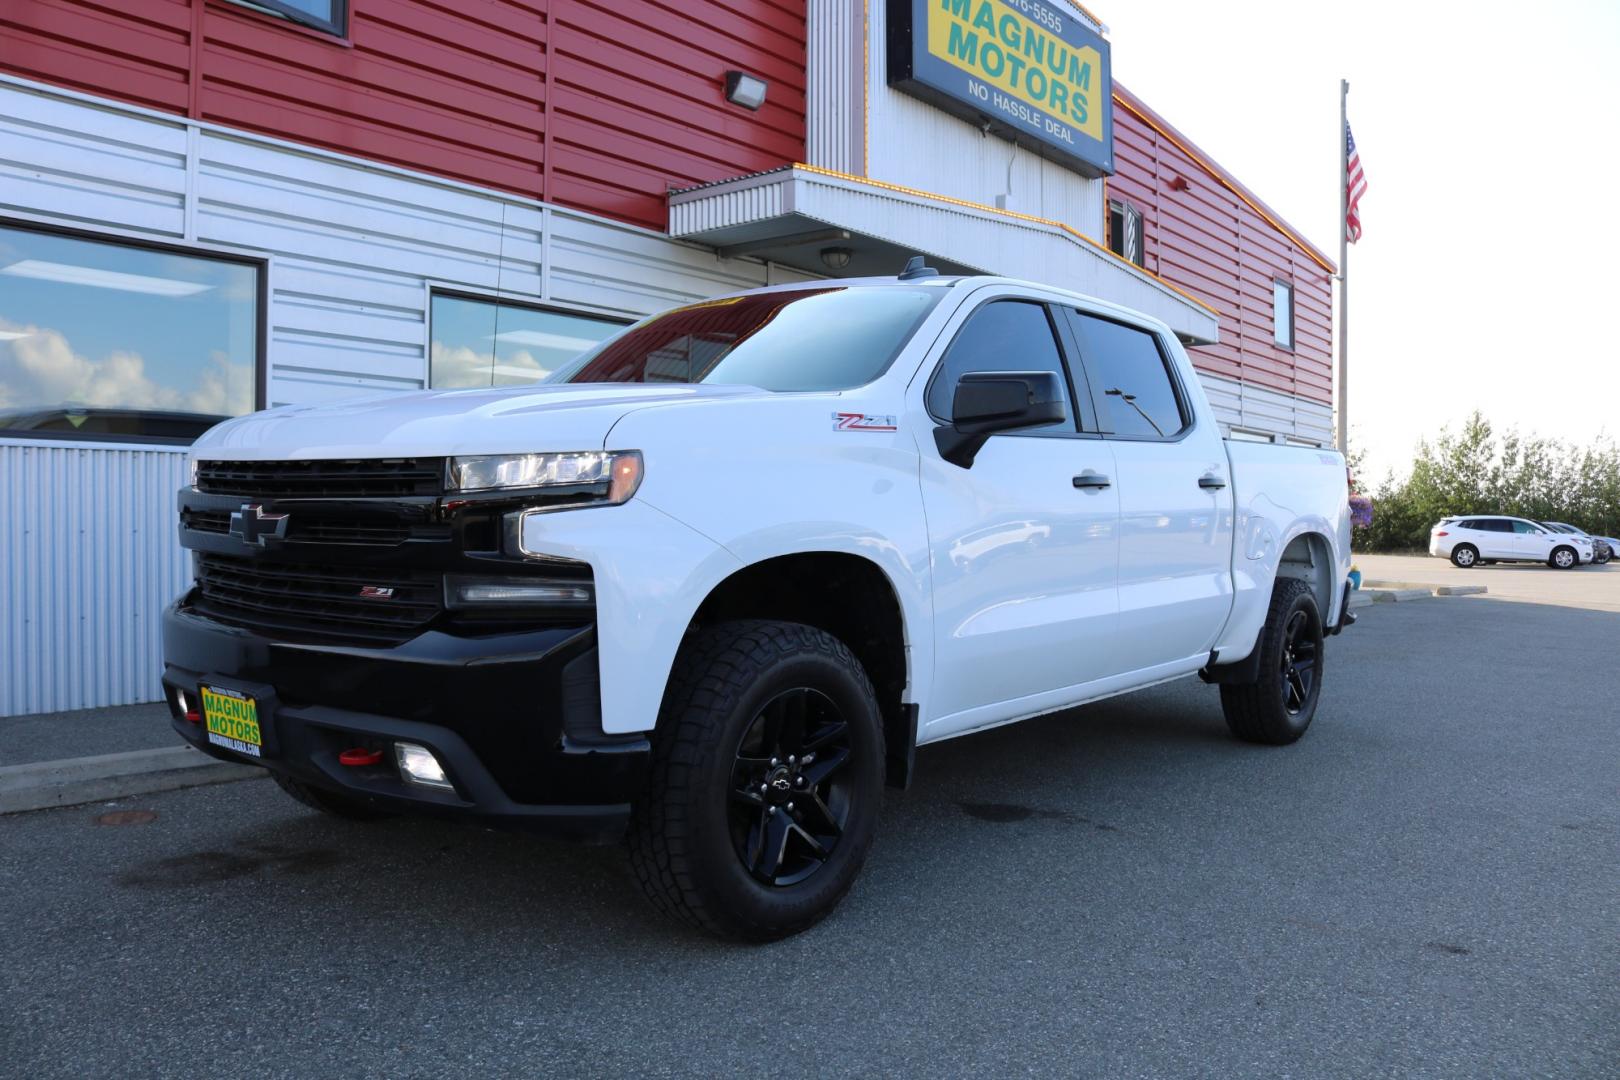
(1484, 278)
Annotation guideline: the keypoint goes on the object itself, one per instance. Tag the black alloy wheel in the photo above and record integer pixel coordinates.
(766, 782)
(1278, 706)
(1301, 645)
(790, 792)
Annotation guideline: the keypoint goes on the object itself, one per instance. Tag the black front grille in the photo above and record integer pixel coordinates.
(306, 529)
(383, 604)
(383, 478)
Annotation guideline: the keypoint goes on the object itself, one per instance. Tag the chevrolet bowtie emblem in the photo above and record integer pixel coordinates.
(253, 526)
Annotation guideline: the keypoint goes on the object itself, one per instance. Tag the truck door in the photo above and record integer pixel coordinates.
(1023, 544)
(1175, 532)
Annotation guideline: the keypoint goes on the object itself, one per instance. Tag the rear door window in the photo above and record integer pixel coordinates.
(1130, 378)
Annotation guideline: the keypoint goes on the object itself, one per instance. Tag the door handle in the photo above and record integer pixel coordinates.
(1089, 479)
(1211, 482)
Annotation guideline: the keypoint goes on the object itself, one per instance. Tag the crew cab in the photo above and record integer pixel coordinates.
(711, 584)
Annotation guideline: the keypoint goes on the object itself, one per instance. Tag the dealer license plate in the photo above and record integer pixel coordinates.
(232, 720)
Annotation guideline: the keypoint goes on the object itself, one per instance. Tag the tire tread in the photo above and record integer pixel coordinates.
(716, 666)
(1252, 710)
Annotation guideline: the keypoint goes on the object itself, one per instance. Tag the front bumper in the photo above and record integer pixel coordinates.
(513, 716)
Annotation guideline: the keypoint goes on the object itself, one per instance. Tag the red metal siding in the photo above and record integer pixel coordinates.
(1212, 239)
(598, 104)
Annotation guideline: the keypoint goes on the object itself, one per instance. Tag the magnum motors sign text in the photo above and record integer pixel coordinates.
(1029, 67)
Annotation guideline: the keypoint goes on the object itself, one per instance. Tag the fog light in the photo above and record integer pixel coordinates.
(418, 765)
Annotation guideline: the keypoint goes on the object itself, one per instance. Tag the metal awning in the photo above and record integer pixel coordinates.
(790, 215)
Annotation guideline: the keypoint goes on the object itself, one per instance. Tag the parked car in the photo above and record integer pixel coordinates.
(717, 617)
(1603, 547)
(1469, 541)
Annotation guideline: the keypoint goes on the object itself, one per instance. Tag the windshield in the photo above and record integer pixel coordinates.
(831, 338)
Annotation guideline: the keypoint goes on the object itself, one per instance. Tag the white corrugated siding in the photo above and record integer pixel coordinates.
(902, 140)
(354, 250)
(835, 96)
(88, 559)
(1270, 412)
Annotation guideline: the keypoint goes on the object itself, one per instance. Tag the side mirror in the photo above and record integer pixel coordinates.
(988, 402)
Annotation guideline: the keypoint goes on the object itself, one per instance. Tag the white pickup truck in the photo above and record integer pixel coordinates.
(712, 584)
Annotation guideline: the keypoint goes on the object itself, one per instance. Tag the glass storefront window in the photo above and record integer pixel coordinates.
(104, 339)
(483, 343)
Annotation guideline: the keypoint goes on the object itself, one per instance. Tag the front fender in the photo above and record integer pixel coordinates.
(652, 572)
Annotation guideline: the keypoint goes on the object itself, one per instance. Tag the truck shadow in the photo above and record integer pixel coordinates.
(1101, 787)
(435, 875)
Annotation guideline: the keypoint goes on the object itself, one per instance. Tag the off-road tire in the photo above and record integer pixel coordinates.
(330, 802)
(680, 840)
(1570, 553)
(1259, 712)
(1465, 556)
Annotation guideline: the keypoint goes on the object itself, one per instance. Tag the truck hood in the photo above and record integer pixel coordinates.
(441, 423)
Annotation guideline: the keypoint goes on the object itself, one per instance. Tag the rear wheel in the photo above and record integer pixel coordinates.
(1563, 558)
(1465, 555)
(767, 776)
(1278, 706)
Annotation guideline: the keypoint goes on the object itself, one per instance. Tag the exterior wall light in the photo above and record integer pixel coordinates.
(745, 90)
(835, 258)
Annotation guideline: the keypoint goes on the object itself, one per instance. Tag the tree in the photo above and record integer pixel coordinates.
(1475, 471)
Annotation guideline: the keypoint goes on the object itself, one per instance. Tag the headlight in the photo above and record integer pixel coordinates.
(192, 463)
(614, 475)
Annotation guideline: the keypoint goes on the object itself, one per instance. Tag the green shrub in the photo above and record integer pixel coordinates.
(1475, 471)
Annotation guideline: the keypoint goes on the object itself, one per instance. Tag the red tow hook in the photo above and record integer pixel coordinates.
(358, 757)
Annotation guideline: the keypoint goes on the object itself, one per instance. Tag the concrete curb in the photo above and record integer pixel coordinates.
(43, 784)
(1388, 596)
(1413, 590)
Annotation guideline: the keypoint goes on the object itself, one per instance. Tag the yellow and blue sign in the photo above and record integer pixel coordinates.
(1030, 67)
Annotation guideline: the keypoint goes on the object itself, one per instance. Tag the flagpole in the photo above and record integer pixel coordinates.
(1344, 270)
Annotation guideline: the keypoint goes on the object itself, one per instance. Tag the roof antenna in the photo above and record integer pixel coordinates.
(916, 268)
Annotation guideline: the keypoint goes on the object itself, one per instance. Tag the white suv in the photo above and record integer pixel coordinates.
(1468, 541)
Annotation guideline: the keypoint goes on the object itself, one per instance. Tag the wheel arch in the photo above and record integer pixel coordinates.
(1309, 558)
(849, 596)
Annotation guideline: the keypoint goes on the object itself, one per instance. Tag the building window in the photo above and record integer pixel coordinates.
(330, 16)
(485, 343)
(1125, 232)
(1282, 313)
(107, 340)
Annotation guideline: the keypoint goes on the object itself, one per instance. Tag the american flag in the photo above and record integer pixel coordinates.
(1355, 185)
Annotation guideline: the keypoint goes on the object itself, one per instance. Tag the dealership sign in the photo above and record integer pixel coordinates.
(1029, 67)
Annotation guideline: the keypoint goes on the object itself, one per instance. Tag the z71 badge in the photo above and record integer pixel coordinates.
(854, 421)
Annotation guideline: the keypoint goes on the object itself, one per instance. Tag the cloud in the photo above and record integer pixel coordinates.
(42, 368)
(461, 366)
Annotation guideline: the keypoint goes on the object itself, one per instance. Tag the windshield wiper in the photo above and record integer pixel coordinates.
(1130, 399)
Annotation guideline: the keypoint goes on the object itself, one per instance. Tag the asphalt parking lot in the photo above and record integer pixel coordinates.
(1427, 885)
